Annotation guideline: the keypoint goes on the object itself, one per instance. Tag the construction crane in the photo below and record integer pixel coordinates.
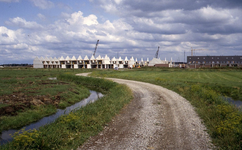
(193, 50)
(157, 52)
(95, 48)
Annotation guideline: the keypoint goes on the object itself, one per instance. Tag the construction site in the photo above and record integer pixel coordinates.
(98, 62)
(116, 63)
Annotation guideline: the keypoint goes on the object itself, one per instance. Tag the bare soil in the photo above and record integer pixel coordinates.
(19, 101)
(156, 118)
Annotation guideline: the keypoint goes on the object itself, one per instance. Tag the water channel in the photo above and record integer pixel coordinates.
(5, 136)
(236, 103)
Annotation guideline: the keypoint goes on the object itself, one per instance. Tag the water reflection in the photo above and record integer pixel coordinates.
(237, 103)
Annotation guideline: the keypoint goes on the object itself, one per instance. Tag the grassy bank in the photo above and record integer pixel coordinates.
(27, 95)
(70, 131)
(203, 88)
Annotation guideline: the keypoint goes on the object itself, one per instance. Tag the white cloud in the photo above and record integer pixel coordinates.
(90, 20)
(22, 23)
(77, 18)
(43, 4)
(42, 17)
(118, 1)
(210, 15)
(50, 38)
(18, 46)
(137, 32)
(8, 36)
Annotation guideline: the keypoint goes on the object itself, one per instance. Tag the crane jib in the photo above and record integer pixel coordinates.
(95, 48)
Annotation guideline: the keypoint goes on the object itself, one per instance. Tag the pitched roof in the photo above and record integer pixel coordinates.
(73, 58)
(99, 57)
(92, 58)
(46, 59)
(79, 58)
(113, 59)
(86, 58)
(62, 58)
(120, 59)
(68, 58)
(41, 58)
(132, 58)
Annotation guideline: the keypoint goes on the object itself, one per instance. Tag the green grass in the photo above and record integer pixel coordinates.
(203, 88)
(26, 117)
(72, 130)
(3, 105)
(33, 83)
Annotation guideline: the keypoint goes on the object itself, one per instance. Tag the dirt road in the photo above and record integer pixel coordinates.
(157, 118)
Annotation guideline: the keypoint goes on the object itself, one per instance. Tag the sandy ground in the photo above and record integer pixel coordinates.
(157, 118)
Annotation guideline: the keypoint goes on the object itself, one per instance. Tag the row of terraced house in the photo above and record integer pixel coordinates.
(214, 61)
(99, 62)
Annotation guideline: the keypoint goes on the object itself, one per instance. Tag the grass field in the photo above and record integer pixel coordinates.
(230, 80)
(70, 131)
(26, 95)
(203, 88)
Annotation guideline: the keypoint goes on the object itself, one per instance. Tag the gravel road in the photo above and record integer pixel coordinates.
(156, 118)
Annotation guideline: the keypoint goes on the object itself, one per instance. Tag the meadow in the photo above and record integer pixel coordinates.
(204, 89)
(27, 95)
(70, 131)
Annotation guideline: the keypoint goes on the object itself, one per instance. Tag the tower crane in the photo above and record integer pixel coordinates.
(157, 52)
(95, 48)
(193, 50)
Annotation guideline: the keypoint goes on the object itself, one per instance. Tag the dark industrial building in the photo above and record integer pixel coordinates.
(214, 61)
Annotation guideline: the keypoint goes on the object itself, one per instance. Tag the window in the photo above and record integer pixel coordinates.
(217, 62)
(204, 62)
(212, 57)
(203, 57)
(232, 57)
(213, 62)
(226, 57)
(217, 57)
(190, 58)
(240, 57)
(198, 58)
(227, 62)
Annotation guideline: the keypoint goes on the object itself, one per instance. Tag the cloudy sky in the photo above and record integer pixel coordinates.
(54, 28)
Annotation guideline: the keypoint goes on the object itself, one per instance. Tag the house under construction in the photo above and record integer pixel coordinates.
(99, 62)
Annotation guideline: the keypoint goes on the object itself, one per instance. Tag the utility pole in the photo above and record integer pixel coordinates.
(184, 57)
